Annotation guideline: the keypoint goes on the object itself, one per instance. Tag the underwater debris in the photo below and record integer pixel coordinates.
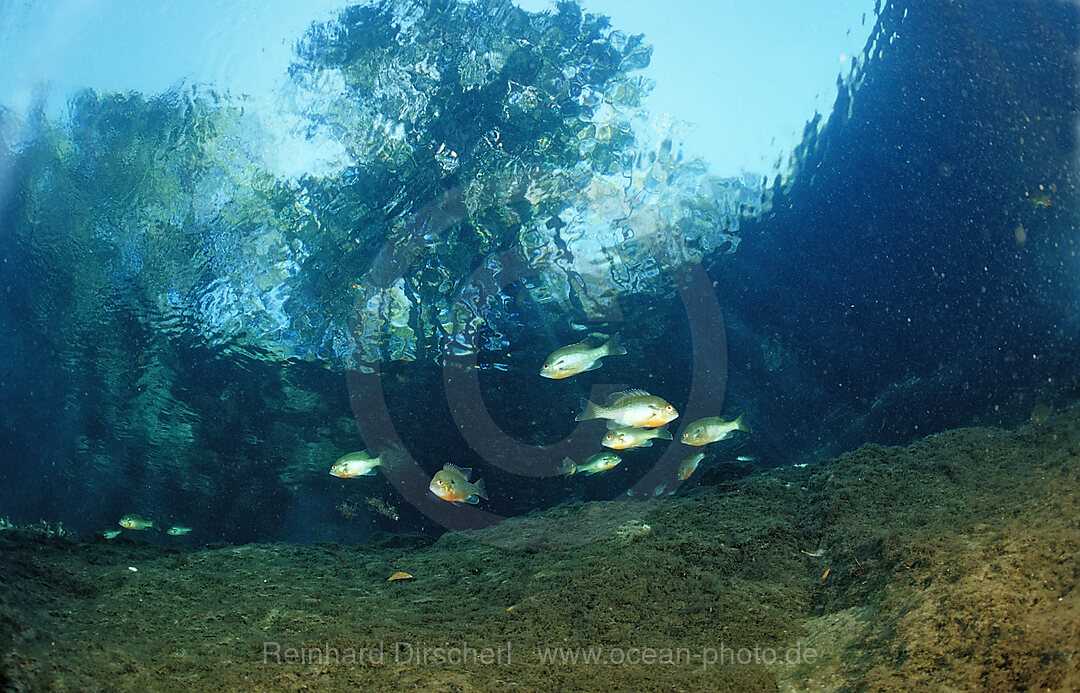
(383, 508)
(632, 530)
(50, 529)
(347, 510)
(42, 528)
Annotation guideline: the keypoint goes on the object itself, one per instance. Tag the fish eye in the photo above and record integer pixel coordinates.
(670, 408)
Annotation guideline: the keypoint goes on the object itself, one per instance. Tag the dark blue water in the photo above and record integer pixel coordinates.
(180, 325)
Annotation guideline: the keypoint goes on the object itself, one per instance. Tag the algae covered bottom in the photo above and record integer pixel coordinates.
(953, 561)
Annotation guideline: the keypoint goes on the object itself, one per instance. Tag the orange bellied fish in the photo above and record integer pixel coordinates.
(600, 462)
(579, 358)
(630, 408)
(355, 464)
(630, 437)
(713, 428)
(453, 486)
(688, 466)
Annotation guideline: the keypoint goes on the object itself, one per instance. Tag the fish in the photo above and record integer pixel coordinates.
(630, 437)
(355, 464)
(713, 428)
(178, 531)
(688, 466)
(453, 486)
(579, 358)
(1041, 413)
(600, 462)
(133, 521)
(111, 533)
(1040, 199)
(630, 408)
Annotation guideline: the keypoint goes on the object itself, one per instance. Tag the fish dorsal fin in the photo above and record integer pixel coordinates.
(463, 471)
(615, 398)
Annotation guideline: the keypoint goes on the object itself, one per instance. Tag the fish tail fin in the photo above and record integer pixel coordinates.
(741, 425)
(663, 434)
(480, 489)
(614, 346)
(589, 411)
(568, 467)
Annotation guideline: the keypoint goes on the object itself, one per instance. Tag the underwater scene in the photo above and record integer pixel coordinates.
(465, 355)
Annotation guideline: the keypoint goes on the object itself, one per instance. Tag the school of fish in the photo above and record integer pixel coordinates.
(634, 418)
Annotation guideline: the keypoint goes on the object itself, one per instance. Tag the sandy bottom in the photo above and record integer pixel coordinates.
(949, 564)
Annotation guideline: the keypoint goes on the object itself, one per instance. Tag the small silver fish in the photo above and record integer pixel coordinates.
(690, 465)
(600, 462)
(133, 521)
(712, 429)
(635, 408)
(355, 464)
(579, 358)
(629, 437)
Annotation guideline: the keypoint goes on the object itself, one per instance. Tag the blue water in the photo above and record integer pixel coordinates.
(195, 337)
